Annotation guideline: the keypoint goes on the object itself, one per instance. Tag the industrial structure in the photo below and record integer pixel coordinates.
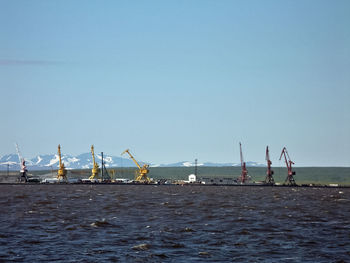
(141, 173)
(95, 168)
(62, 172)
(244, 178)
(100, 174)
(105, 177)
(290, 178)
(23, 170)
(269, 178)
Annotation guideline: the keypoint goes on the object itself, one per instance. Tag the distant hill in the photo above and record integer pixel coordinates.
(84, 161)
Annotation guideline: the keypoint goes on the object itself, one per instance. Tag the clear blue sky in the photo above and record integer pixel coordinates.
(177, 80)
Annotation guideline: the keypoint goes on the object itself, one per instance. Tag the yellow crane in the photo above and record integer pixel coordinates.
(62, 172)
(142, 172)
(95, 169)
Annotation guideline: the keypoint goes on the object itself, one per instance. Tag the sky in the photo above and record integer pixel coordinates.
(177, 80)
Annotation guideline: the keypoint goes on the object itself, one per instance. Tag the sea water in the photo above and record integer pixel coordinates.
(169, 223)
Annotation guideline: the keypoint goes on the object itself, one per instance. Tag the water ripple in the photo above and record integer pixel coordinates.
(111, 223)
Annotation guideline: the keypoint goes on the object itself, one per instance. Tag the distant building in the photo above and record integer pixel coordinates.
(192, 178)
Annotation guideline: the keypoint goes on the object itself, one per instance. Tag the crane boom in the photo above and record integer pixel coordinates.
(284, 154)
(132, 157)
(267, 156)
(18, 153)
(21, 159)
(142, 172)
(288, 161)
(59, 155)
(93, 155)
(241, 154)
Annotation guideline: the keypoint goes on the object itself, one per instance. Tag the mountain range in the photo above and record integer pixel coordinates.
(84, 161)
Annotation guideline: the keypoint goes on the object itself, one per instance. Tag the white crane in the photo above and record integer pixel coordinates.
(22, 164)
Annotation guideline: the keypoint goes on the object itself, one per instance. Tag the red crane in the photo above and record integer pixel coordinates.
(244, 174)
(289, 163)
(269, 179)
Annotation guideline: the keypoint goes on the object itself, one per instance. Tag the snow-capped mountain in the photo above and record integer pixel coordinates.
(9, 159)
(46, 162)
(84, 161)
(207, 164)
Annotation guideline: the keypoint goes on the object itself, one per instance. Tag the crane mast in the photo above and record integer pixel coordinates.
(62, 172)
(269, 178)
(95, 169)
(244, 174)
(142, 172)
(289, 163)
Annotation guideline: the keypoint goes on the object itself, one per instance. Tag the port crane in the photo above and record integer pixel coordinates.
(62, 172)
(141, 175)
(269, 178)
(244, 174)
(22, 162)
(95, 169)
(289, 163)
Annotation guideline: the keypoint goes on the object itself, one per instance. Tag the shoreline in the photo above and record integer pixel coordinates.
(185, 185)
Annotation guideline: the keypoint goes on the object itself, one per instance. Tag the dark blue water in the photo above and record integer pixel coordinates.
(118, 223)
